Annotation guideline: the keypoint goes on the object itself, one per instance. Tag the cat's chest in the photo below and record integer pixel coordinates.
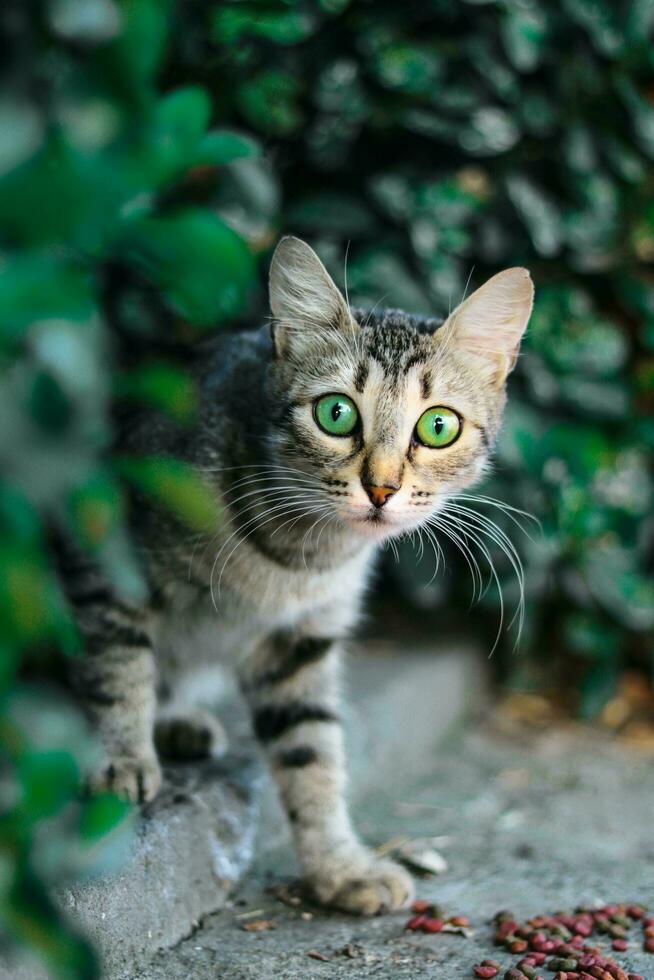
(235, 610)
(277, 587)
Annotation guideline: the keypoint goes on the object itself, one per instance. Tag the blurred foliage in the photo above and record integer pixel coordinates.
(111, 257)
(429, 142)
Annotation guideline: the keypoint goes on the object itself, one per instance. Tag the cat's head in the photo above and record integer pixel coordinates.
(387, 413)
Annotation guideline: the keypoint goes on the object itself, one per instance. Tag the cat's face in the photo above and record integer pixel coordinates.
(386, 414)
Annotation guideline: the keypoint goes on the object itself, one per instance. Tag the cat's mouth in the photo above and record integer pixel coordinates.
(374, 523)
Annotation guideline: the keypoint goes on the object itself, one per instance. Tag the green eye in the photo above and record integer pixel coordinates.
(336, 414)
(438, 427)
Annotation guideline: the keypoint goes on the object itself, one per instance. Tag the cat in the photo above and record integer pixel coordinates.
(322, 437)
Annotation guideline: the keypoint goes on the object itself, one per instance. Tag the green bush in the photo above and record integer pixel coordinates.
(429, 142)
(442, 142)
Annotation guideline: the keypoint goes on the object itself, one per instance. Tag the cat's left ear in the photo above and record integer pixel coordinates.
(304, 300)
(489, 324)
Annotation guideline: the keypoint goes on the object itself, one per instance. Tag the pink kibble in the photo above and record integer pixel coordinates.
(432, 925)
(485, 971)
(420, 906)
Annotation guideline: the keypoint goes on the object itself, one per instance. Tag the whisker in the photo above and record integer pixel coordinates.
(273, 495)
(496, 534)
(468, 555)
(279, 508)
(491, 565)
(273, 510)
(436, 548)
(476, 524)
(507, 509)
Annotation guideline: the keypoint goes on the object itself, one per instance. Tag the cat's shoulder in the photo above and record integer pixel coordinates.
(229, 354)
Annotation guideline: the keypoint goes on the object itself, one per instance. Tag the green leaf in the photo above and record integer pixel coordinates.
(572, 337)
(96, 508)
(222, 146)
(176, 486)
(26, 607)
(48, 781)
(180, 121)
(524, 32)
(270, 102)
(269, 21)
(599, 19)
(73, 198)
(411, 68)
(163, 386)
(490, 131)
(128, 64)
(18, 517)
(597, 686)
(101, 814)
(41, 286)
(641, 111)
(590, 637)
(203, 268)
(49, 406)
(539, 212)
(182, 116)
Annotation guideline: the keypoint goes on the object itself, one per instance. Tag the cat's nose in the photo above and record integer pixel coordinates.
(379, 495)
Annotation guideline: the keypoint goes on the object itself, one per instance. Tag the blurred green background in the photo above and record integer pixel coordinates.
(151, 154)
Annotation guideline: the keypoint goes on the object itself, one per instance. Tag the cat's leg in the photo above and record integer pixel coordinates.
(292, 687)
(116, 680)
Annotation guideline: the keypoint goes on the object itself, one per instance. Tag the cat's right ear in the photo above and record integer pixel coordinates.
(304, 300)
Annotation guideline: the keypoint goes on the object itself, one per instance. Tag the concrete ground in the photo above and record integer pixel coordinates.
(533, 822)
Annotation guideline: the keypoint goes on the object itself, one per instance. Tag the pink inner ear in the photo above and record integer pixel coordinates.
(303, 295)
(493, 320)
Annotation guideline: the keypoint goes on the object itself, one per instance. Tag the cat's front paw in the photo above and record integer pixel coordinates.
(369, 888)
(135, 778)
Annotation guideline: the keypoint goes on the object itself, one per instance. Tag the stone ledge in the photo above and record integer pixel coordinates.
(191, 847)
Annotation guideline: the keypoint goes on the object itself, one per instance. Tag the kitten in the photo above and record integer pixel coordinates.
(322, 438)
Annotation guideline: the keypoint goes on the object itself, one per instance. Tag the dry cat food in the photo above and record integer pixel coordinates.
(559, 943)
(428, 917)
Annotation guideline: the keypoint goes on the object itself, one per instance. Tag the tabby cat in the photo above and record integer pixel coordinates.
(322, 437)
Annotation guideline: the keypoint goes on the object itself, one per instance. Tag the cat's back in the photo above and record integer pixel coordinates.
(232, 367)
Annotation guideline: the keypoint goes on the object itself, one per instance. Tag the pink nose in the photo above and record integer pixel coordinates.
(379, 495)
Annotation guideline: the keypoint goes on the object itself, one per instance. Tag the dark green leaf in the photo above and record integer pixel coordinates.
(48, 781)
(224, 146)
(175, 486)
(96, 507)
(41, 286)
(203, 268)
(101, 814)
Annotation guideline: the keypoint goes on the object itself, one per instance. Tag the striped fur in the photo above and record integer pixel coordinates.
(274, 589)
